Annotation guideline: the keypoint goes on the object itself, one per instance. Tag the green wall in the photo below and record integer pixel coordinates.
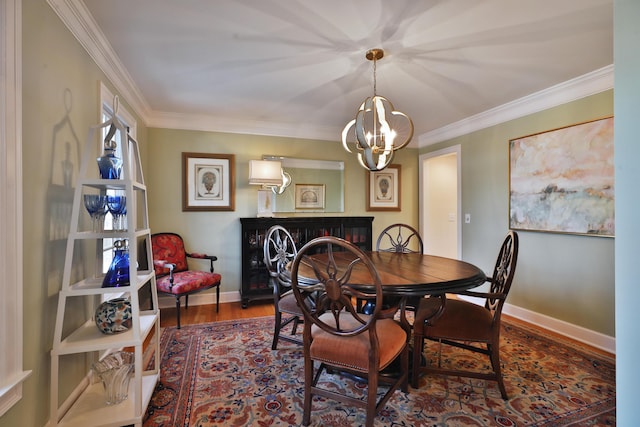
(567, 277)
(218, 233)
(60, 98)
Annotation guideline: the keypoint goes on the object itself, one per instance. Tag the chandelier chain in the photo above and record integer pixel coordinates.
(375, 91)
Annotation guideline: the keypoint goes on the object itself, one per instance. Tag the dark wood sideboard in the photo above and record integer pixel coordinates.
(255, 278)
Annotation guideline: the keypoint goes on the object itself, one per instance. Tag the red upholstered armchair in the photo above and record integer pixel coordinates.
(172, 271)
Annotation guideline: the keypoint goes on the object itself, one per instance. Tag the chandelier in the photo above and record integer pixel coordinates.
(378, 130)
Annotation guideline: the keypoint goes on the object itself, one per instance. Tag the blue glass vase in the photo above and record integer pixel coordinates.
(110, 166)
(118, 273)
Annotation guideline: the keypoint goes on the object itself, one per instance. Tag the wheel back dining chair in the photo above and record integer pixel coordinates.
(173, 275)
(338, 338)
(279, 250)
(401, 238)
(468, 325)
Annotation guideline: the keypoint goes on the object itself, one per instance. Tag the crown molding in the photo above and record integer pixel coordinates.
(580, 87)
(76, 17)
(204, 122)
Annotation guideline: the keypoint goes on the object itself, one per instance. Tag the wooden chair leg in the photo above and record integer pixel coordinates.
(178, 310)
(218, 299)
(308, 381)
(418, 344)
(404, 367)
(495, 362)
(372, 399)
(276, 329)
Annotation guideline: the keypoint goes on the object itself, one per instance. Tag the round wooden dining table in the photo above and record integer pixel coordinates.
(413, 274)
(408, 276)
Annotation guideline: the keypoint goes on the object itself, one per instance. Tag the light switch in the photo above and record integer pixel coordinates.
(452, 217)
(467, 218)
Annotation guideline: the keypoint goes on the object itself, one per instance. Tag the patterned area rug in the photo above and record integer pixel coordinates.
(225, 374)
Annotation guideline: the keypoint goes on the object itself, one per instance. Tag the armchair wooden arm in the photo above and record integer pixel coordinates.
(196, 255)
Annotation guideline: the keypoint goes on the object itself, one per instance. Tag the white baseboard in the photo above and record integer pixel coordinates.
(569, 330)
(578, 333)
(166, 301)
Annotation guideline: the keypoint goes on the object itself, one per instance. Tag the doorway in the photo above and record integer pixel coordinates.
(440, 202)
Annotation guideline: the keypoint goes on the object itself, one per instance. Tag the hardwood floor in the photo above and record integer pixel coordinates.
(207, 313)
(547, 332)
(233, 310)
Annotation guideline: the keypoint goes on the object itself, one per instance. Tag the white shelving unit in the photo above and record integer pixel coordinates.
(89, 407)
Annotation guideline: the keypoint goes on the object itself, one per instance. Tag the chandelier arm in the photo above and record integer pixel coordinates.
(345, 133)
(409, 136)
(384, 160)
(363, 164)
(361, 136)
(368, 156)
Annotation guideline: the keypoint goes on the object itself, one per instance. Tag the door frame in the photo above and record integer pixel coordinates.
(423, 190)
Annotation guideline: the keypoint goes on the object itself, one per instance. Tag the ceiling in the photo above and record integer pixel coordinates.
(297, 67)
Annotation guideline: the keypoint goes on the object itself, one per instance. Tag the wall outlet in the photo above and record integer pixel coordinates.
(467, 218)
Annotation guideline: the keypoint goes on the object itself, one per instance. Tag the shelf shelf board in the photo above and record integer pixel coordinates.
(93, 286)
(91, 410)
(108, 234)
(112, 184)
(89, 338)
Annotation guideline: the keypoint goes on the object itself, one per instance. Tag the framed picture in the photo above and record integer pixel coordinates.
(384, 189)
(208, 182)
(563, 180)
(309, 196)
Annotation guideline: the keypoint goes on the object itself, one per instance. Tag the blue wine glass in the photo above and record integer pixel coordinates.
(117, 206)
(96, 206)
(122, 214)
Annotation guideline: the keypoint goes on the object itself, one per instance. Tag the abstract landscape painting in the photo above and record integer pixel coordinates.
(563, 180)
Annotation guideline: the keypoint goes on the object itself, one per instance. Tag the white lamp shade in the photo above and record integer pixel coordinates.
(265, 172)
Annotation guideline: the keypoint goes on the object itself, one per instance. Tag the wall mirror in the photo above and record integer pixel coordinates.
(316, 185)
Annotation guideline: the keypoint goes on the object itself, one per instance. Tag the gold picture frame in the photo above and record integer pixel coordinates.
(309, 196)
(208, 182)
(562, 180)
(383, 189)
